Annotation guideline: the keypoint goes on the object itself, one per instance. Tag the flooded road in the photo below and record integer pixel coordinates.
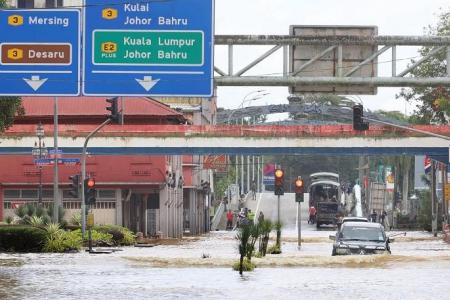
(418, 263)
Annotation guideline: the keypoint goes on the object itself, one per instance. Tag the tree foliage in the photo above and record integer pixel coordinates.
(9, 106)
(433, 104)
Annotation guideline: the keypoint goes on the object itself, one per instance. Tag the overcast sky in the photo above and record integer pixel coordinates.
(392, 17)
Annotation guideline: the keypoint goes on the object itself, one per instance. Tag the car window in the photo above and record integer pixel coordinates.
(362, 233)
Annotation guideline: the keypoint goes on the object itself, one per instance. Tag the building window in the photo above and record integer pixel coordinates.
(30, 194)
(47, 194)
(25, 4)
(51, 3)
(111, 194)
(12, 193)
(68, 196)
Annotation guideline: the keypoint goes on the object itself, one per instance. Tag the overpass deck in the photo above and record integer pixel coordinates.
(226, 139)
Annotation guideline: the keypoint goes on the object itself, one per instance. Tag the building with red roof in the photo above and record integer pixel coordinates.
(141, 192)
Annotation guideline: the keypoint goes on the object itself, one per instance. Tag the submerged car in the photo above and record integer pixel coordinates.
(360, 238)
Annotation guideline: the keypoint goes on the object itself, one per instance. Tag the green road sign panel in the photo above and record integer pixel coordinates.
(150, 47)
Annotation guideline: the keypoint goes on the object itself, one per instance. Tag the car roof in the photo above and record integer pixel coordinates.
(355, 219)
(362, 224)
(318, 182)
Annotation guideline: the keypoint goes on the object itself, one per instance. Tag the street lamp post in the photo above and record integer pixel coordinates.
(39, 151)
(259, 95)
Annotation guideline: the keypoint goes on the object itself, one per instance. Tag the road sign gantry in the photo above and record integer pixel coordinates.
(158, 48)
(40, 52)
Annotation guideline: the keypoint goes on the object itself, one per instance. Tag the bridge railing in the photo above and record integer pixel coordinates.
(345, 130)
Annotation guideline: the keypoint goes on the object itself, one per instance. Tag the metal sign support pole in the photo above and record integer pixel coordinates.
(83, 175)
(55, 167)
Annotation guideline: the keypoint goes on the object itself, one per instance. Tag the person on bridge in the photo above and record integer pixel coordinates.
(230, 216)
(253, 190)
(312, 215)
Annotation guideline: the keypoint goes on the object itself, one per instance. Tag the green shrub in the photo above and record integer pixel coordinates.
(76, 219)
(29, 212)
(9, 220)
(246, 265)
(40, 211)
(31, 209)
(22, 239)
(36, 221)
(120, 235)
(21, 211)
(98, 238)
(59, 240)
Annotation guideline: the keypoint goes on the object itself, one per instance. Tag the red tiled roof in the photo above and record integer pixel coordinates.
(95, 106)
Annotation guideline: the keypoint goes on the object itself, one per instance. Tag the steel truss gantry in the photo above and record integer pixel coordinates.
(439, 44)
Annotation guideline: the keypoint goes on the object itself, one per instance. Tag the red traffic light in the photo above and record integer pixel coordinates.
(279, 182)
(299, 183)
(90, 183)
(279, 173)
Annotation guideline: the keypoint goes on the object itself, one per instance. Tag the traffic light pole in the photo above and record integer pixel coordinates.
(299, 225)
(83, 175)
(408, 128)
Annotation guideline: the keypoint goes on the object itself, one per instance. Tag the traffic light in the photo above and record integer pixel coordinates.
(89, 191)
(74, 186)
(299, 190)
(358, 114)
(279, 182)
(114, 109)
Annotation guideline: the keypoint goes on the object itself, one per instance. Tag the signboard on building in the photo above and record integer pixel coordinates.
(269, 174)
(215, 162)
(40, 52)
(61, 161)
(447, 192)
(157, 48)
(389, 178)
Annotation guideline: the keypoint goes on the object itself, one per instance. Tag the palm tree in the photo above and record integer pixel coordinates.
(243, 236)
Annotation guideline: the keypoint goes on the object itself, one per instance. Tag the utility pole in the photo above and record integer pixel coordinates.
(299, 224)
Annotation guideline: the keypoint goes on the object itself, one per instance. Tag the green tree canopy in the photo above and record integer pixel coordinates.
(433, 104)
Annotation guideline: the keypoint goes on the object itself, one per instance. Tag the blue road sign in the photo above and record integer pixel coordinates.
(39, 52)
(143, 48)
(61, 161)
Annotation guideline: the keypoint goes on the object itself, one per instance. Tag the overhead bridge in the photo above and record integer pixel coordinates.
(226, 139)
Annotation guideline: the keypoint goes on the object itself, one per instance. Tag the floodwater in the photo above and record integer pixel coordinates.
(200, 268)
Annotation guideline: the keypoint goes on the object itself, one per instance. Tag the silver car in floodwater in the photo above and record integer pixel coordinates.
(360, 238)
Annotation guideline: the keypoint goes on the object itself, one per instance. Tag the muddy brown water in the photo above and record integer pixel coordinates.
(418, 269)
